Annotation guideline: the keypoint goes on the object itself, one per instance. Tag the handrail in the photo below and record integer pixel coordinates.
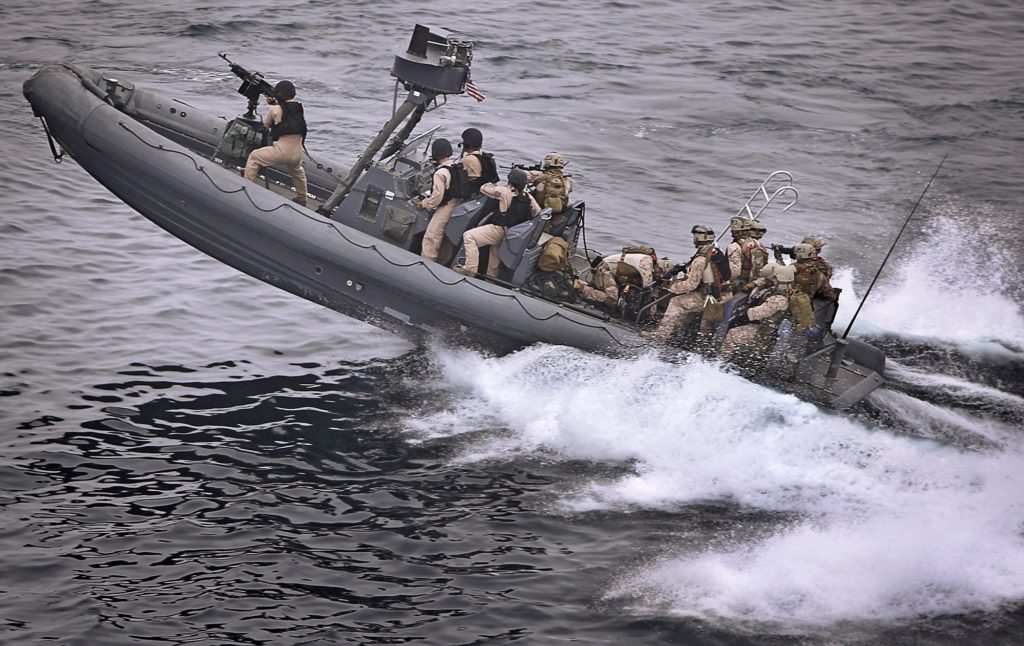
(762, 191)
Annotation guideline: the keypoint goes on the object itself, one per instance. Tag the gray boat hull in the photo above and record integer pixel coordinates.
(154, 153)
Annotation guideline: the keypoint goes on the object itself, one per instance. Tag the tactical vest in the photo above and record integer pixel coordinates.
(293, 121)
(753, 257)
(823, 267)
(488, 170)
(713, 286)
(519, 211)
(556, 191)
(807, 277)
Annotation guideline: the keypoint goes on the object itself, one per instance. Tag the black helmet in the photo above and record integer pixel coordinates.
(284, 90)
(440, 149)
(472, 138)
(517, 177)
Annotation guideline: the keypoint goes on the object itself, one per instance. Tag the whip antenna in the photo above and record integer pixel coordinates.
(886, 259)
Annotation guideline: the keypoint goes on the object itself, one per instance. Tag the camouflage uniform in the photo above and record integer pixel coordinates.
(689, 304)
(606, 278)
(602, 287)
(752, 339)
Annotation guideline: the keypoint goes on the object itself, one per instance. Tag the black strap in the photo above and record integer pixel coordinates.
(57, 156)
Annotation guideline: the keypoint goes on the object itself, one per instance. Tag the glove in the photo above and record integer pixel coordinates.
(749, 287)
(741, 318)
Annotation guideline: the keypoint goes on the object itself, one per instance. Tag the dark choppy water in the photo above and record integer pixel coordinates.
(190, 456)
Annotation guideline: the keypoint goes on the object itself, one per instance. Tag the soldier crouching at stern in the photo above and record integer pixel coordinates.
(748, 342)
(690, 287)
(287, 124)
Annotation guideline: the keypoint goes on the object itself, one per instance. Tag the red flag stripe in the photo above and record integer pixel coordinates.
(473, 91)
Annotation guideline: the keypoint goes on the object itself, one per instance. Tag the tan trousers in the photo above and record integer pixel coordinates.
(434, 234)
(287, 152)
(740, 341)
(679, 314)
(489, 235)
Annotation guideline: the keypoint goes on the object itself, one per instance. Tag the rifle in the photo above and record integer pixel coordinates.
(253, 86)
(525, 167)
(669, 275)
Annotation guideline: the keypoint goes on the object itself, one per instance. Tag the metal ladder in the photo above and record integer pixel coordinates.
(762, 192)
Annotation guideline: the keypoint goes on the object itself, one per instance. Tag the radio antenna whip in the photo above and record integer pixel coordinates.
(886, 259)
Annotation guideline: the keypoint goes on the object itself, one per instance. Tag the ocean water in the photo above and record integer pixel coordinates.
(191, 456)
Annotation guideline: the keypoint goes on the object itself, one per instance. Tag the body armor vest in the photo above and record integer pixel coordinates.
(293, 121)
(519, 211)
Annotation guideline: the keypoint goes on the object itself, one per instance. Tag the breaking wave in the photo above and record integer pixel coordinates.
(867, 525)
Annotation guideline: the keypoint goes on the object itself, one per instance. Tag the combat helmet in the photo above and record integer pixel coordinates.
(739, 227)
(702, 235)
(472, 138)
(785, 274)
(284, 90)
(440, 149)
(814, 242)
(757, 229)
(803, 251)
(553, 160)
(517, 177)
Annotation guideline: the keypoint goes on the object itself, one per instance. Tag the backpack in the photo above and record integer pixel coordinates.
(554, 256)
(556, 285)
(556, 194)
(461, 186)
(722, 264)
(627, 274)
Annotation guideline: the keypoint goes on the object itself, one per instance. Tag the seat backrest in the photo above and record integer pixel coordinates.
(468, 215)
(520, 238)
(569, 222)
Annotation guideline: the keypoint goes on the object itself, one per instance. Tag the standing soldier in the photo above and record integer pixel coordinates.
(480, 166)
(693, 287)
(755, 256)
(440, 199)
(740, 229)
(287, 123)
(551, 187)
(808, 283)
(819, 262)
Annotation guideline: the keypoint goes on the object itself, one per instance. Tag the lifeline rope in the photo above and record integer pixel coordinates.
(428, 265)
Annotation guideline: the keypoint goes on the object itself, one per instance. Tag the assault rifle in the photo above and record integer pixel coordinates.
(669, 275)
(253, 86)
(525, 167)
(779, 250)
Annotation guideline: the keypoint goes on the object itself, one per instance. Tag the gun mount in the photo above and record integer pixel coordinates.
(434, 64)
(252, 88)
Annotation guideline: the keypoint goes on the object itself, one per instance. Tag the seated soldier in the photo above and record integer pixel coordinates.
(515, 206)
(754, 329)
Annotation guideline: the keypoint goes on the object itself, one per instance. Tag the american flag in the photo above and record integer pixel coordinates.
(473, 91)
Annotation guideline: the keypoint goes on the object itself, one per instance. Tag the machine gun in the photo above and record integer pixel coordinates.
(253, 87)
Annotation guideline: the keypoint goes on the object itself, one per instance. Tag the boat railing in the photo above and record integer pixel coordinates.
(776, 184)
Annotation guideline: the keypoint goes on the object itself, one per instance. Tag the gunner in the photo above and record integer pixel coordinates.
(287, 123)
